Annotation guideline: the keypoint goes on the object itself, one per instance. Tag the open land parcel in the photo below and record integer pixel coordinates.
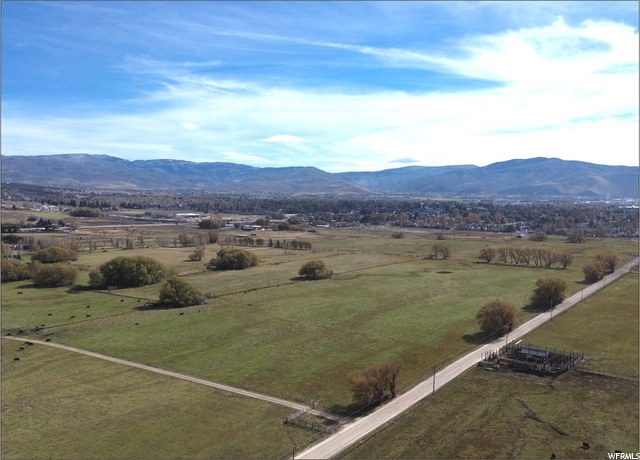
(265, 330)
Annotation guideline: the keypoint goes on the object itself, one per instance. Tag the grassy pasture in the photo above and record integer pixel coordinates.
(264, 330)
(507, 415)
(57, 404)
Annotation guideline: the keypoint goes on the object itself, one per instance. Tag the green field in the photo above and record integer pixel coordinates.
(509, 415)
(57, 404)
(264, 330)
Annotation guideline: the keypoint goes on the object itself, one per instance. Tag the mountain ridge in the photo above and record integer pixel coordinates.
(538, 176)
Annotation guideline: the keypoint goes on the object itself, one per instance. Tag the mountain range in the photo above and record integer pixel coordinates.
(531, 177)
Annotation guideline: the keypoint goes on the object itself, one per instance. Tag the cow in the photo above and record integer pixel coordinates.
(21, 349)
(50, 314)
(16, 359)
(585, 445)
(72, 317)
(181, 313)
(47, 340)
(88, 316)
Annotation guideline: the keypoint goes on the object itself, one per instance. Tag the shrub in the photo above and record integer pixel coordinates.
(315, 270)
(539, 235)
(125, 271)
(52, 275)
(178, 292)
(233, 259)
(496, 316)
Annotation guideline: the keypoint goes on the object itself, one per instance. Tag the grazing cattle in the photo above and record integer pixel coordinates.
(42, 325)
(19, 292)
(553, 455)
(138, 300)
(21, 349)
(181, 313)
(585, 445)
(47, 340)
(72, 317)
(88, 306)
(137, 324)
(29, 343)
(50, 314)
(16, 359)
(88, 316)
(20, 331)
(121, 300)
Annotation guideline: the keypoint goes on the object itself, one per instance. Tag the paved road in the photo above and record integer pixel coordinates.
(250, 394)
(358, 429)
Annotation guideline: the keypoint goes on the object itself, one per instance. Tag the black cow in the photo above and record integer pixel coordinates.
(16, 359)
(585, 445)
(47, 340)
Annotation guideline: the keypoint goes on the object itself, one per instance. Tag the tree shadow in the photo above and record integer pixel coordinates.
(353, 410)
(531, 308)
(476, 338)
(79, 289)
(154, 306)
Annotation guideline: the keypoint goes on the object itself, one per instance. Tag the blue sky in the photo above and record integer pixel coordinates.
(344, 86)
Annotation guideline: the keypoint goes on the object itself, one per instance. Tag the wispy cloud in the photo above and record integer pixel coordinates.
(560, 89)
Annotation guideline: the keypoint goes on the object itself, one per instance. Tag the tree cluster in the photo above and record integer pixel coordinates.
(178, 292)
(54, 254)
(86, 212)
(496, 316)
(538, 256)
(209, 224)
(548, 293)
(53, 275)
(125, 271)
(594, 271)
(375, 382)
(14, 270)
(440, 249)
(233, 259)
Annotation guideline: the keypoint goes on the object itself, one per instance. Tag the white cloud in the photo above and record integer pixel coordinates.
(283, 138)
(189, 126)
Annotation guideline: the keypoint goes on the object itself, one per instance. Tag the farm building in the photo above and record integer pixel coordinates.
(526, 358)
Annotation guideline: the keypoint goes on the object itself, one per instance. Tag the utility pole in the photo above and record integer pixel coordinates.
(434, 378)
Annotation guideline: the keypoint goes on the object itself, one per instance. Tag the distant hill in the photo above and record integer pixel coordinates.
(536, 176)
